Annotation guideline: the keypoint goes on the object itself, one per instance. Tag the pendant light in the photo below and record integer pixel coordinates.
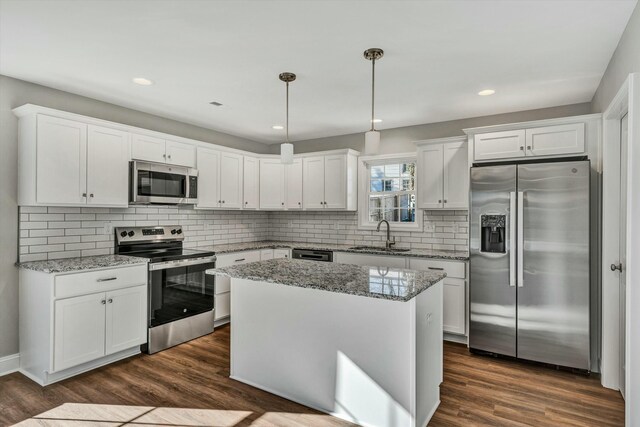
(372, 137)
(286, 148)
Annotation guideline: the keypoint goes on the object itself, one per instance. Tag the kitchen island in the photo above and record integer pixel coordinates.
(360, 343)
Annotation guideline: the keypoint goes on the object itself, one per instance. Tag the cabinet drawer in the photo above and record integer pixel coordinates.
(452, 268)
(99, 281)
(237, 258)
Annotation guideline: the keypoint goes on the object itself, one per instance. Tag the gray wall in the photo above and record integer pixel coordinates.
(400, 140)
(625, 60)
(14, 93)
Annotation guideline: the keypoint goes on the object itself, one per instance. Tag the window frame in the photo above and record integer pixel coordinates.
(364, 190)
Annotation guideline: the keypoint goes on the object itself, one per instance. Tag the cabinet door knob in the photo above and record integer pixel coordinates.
(522, 148)
(91, 195)
(223, 201)
(439, 201)
(103, 302)
(84, 194)
(164, 156)
(282, 203)
(246, 203)
(445, 200)
(110, 300)
(299, 203)
(219, 201)
(169, 156)
(529, 147)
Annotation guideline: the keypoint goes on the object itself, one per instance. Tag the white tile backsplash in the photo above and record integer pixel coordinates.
(54, 232)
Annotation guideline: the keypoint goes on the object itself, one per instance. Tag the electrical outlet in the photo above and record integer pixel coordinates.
(108, 227)
(430, 228)
(290, 224)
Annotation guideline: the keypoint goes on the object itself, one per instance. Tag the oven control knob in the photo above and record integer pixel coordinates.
(131, 233)
(123, 234)
(173, 231)
(179, 231)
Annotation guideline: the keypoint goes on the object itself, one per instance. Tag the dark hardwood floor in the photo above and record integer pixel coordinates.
(477, 391)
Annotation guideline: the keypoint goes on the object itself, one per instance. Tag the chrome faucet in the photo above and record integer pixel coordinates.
(389, 242)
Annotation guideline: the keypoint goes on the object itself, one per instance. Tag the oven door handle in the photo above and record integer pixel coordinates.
(181, 263)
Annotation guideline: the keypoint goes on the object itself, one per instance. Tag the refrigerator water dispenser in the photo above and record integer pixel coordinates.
(493, 233)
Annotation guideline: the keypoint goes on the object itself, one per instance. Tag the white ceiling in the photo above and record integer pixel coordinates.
(438, 55)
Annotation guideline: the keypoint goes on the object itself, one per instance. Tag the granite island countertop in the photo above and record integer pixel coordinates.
(373, 250)
(396, 284)
(69, 265)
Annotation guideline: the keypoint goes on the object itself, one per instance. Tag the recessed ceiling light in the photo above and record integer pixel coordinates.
(486, 92)
(277, 127)
(142, 81)
(376, 121)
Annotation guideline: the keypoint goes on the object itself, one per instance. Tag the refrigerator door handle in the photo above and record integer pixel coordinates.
(512, 239)
(520, 242)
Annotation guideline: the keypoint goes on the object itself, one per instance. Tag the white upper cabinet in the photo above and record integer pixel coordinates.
(456, 176)
(313, 182)
(330, 181)
(107, 166)
(251, 183)
(159, 150)
(181, 153)
(443, 174)
(499, 145)
(231, 176)
(430, 172)
(272, 184)
(335, 181)
(148, 148)
(61, 174)
(208, 178)
(542, 138)
(555, 140)
(293, 179)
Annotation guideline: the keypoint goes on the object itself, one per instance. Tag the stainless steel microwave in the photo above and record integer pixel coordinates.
(158, 183)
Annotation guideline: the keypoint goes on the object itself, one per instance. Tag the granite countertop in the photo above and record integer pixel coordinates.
(267, 244)
(68, 265)
(395, 284)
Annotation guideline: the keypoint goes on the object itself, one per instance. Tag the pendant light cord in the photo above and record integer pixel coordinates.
(373, 90)
(287, 121)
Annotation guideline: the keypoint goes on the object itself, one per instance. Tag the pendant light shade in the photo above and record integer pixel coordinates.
(286, 148)
(371, 142)
(372, 137)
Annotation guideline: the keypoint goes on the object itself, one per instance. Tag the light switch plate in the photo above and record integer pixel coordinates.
(108, 227)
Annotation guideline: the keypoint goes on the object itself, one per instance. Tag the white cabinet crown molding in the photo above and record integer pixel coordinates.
(447, 140)
(533, 124)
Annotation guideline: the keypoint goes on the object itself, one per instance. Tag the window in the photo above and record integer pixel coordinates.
(388, 191)
(392, 194)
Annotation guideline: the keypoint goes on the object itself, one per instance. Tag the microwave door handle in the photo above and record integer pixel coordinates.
(520, 242)
(512, 238)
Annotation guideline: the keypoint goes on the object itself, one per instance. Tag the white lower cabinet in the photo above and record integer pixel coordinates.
(371, 260)
(222, 299)
(71, 323)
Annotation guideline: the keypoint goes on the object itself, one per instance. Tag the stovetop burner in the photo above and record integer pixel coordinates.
(161, 243)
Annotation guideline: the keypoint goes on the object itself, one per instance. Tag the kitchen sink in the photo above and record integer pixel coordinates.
(378, 248)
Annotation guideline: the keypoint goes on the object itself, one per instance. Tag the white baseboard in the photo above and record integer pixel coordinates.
(9, 364)
(461, 339)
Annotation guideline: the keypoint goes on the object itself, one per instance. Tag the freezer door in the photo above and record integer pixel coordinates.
(553, 294)
(492, 287)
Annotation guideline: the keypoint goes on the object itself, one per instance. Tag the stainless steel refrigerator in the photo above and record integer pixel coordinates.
(529, 262)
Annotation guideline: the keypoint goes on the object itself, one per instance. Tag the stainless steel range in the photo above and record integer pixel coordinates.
(180, 293)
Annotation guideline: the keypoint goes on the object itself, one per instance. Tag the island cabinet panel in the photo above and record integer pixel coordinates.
(371, 260)
(278, 344)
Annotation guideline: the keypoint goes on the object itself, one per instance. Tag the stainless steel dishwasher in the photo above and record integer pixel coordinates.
(312, 255)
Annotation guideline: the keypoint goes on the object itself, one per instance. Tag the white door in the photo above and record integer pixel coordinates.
(107, 167)
(208, 178)
(181, 153)
(231, 180)
(454, 306)
(499, 145)
(624, 150)
(430, 173)
(126, 318)
(251, 183)
(293, 179)
(148, 148)
(335, 182)
(313, 182)
(61, 161)
(555, 140)
(78, 330)
(456, 176)
(271, 184)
